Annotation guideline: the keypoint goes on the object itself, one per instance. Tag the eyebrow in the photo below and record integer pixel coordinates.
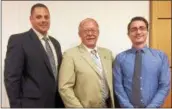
(138, 27)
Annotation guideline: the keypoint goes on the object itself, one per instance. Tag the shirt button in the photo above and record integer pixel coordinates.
(141, 88)
(140, 77)
(141, 100)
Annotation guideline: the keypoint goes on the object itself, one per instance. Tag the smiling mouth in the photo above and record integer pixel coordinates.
(139, 36)
(44, 26)
(89, 39)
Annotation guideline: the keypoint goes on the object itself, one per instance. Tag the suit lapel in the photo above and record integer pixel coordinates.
(105, 63)
(86, 56)
(55, 46)
(39, 48)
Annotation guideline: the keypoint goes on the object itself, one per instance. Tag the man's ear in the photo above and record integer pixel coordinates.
(79, 33)
(30, 18)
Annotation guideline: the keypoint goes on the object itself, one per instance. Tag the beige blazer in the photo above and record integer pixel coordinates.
(79, 78)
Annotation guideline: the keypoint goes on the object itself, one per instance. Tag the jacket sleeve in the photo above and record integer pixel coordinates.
(13, 70)
(67, 82)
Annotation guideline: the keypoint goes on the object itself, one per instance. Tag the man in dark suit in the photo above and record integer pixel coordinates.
(32, 63)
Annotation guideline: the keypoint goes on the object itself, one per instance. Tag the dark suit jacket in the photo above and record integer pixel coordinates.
(29, 80)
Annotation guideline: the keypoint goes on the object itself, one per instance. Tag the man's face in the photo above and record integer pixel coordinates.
(40, 20)
(89, 33)
(138, 32)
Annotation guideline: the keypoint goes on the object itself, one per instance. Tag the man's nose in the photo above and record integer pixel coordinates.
(89, 32)
(43, 19)
(138, 31)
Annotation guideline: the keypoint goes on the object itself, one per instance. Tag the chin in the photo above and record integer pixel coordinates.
(91, 45)
(44, 32)
(139, 41)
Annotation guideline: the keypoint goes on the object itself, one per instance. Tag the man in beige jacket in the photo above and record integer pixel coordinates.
(85, 77)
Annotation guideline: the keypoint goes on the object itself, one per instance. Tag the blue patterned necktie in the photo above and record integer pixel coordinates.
(50, 56)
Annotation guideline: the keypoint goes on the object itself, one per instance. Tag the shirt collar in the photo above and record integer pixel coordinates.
(90, 49)
(40, 36)
(144, 49)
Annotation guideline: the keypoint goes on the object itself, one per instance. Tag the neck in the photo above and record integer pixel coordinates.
(42, 33)
(90, 47)
(139, 46)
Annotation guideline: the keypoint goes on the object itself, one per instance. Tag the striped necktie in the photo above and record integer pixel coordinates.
(50, 56)
(104, 87)
(96, 59)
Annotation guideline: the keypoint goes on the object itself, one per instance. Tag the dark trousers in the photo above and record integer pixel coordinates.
(117, 105)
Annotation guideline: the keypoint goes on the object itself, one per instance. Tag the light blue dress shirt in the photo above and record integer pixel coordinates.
(155, 77)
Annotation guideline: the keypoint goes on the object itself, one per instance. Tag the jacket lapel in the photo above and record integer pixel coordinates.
(86, 56)
(40, 49)
(55, 46)
(105, 63)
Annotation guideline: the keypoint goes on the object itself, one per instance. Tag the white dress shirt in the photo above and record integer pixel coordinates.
(40, 36)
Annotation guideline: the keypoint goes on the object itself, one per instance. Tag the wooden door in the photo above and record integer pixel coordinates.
(160, 32)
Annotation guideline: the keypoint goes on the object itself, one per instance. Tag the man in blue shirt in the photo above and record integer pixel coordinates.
(146, 83)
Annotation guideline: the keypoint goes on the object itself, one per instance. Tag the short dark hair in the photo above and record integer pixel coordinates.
(38, 5)
(138, 18)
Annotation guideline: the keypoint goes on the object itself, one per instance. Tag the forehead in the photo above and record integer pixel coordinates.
(89, 24)
(40, 10)
(137, 23)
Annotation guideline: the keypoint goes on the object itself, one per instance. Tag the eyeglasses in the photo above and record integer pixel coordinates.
(135, 29)
(90, 31)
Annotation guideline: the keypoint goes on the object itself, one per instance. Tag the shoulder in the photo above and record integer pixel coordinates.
(122, 55)
(158, 53)
(106, 50)
(19, 37)
(53, 39)
(71, 51)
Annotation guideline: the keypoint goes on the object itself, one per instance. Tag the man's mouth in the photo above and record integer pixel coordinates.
(90, 38)
(139, 37)
(44, 26)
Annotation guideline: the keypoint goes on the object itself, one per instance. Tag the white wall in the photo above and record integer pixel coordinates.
(112, 16)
